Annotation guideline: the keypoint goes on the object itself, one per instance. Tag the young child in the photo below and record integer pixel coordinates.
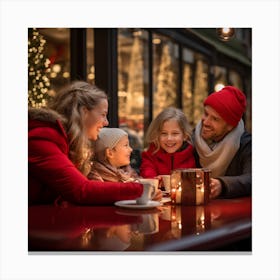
(169, 139)
(111, 161)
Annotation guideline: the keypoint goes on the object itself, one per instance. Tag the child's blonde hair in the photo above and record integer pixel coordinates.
(167, 114)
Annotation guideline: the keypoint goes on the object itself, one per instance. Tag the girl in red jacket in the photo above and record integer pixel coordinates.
(59, 149)
(169, 139)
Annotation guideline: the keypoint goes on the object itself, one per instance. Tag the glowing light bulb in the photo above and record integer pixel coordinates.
(225, 34)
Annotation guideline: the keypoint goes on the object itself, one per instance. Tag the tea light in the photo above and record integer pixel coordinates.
(199, 194)
(179, 193)
(200, 220)
(173, 195)
(176, 221)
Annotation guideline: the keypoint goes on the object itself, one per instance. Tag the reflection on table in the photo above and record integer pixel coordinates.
(219, 225)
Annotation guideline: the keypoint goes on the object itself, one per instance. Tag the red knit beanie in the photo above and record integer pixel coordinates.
(229, 102)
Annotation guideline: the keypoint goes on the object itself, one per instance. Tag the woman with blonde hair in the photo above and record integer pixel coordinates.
(60, 149)
(170, 147)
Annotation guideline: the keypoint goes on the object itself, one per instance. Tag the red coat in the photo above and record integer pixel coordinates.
(51, 174)
(161, 163)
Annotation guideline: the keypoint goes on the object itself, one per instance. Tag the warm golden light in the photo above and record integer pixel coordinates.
(53, 75)
(219, 87)
(137, 33)
(56, 68)
(226, 30)
(91, 76)
(156, 41)
(66, 75)
(225, 34)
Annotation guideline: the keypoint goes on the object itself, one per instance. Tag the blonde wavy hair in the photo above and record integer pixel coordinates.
(69, 102)
(156, 125)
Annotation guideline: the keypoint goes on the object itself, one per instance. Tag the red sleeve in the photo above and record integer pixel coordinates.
(54, 169)
(148, 168)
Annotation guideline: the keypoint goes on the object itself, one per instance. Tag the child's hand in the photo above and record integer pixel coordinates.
(160, 181)
(158, 195)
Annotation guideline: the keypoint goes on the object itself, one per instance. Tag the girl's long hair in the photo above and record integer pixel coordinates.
(69, 103)
(156, 125)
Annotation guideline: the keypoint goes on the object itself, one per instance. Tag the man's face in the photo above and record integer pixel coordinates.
(214, 128)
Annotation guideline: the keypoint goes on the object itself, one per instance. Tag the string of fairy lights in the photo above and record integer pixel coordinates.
(38, 69)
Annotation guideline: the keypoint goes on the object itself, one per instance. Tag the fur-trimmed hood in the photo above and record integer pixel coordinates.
(45, 115)
(48, 125)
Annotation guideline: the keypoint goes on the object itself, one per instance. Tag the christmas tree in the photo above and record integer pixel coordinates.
(135, 88)
(200, 89)
(38, 69)
(166, 91)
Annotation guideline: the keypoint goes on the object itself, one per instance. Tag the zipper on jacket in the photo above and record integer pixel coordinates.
(172, 162)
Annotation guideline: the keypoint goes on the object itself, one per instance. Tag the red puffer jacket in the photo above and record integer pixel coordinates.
(52, 175)
(162, 163)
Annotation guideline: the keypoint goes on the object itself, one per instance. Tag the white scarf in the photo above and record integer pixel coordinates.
(218, 159)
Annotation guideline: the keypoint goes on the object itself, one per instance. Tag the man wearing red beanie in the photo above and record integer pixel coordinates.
(223, 145)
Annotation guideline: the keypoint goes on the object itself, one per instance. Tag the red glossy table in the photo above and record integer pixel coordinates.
(219, 224)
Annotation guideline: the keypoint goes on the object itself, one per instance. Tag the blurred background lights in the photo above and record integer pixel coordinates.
(225, 33)
(156, 41)
(56, 68)
(219, 87)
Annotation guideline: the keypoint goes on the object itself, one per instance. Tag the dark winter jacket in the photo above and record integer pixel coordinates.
(237, 180)
(52, 175)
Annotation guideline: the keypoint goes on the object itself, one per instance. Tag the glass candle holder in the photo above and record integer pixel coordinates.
(190, 186)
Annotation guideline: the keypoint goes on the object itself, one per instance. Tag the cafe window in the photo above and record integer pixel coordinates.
(195, 85)
(235, 79)
(187, 87)
(201, 89)
(57, 49)
(133, 83)
(220, 77)
(165, 73)
(90, 55)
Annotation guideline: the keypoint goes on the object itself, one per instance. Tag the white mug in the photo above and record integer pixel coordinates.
(149, 192)
(153, 181)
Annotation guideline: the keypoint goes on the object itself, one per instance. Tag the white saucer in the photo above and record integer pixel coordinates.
(165, 199)
(131, 204)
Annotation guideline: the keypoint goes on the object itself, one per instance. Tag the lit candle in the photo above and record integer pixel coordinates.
(200, 219)
(176, 222)
(178, 193)
(199, 194)
(173, 195)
